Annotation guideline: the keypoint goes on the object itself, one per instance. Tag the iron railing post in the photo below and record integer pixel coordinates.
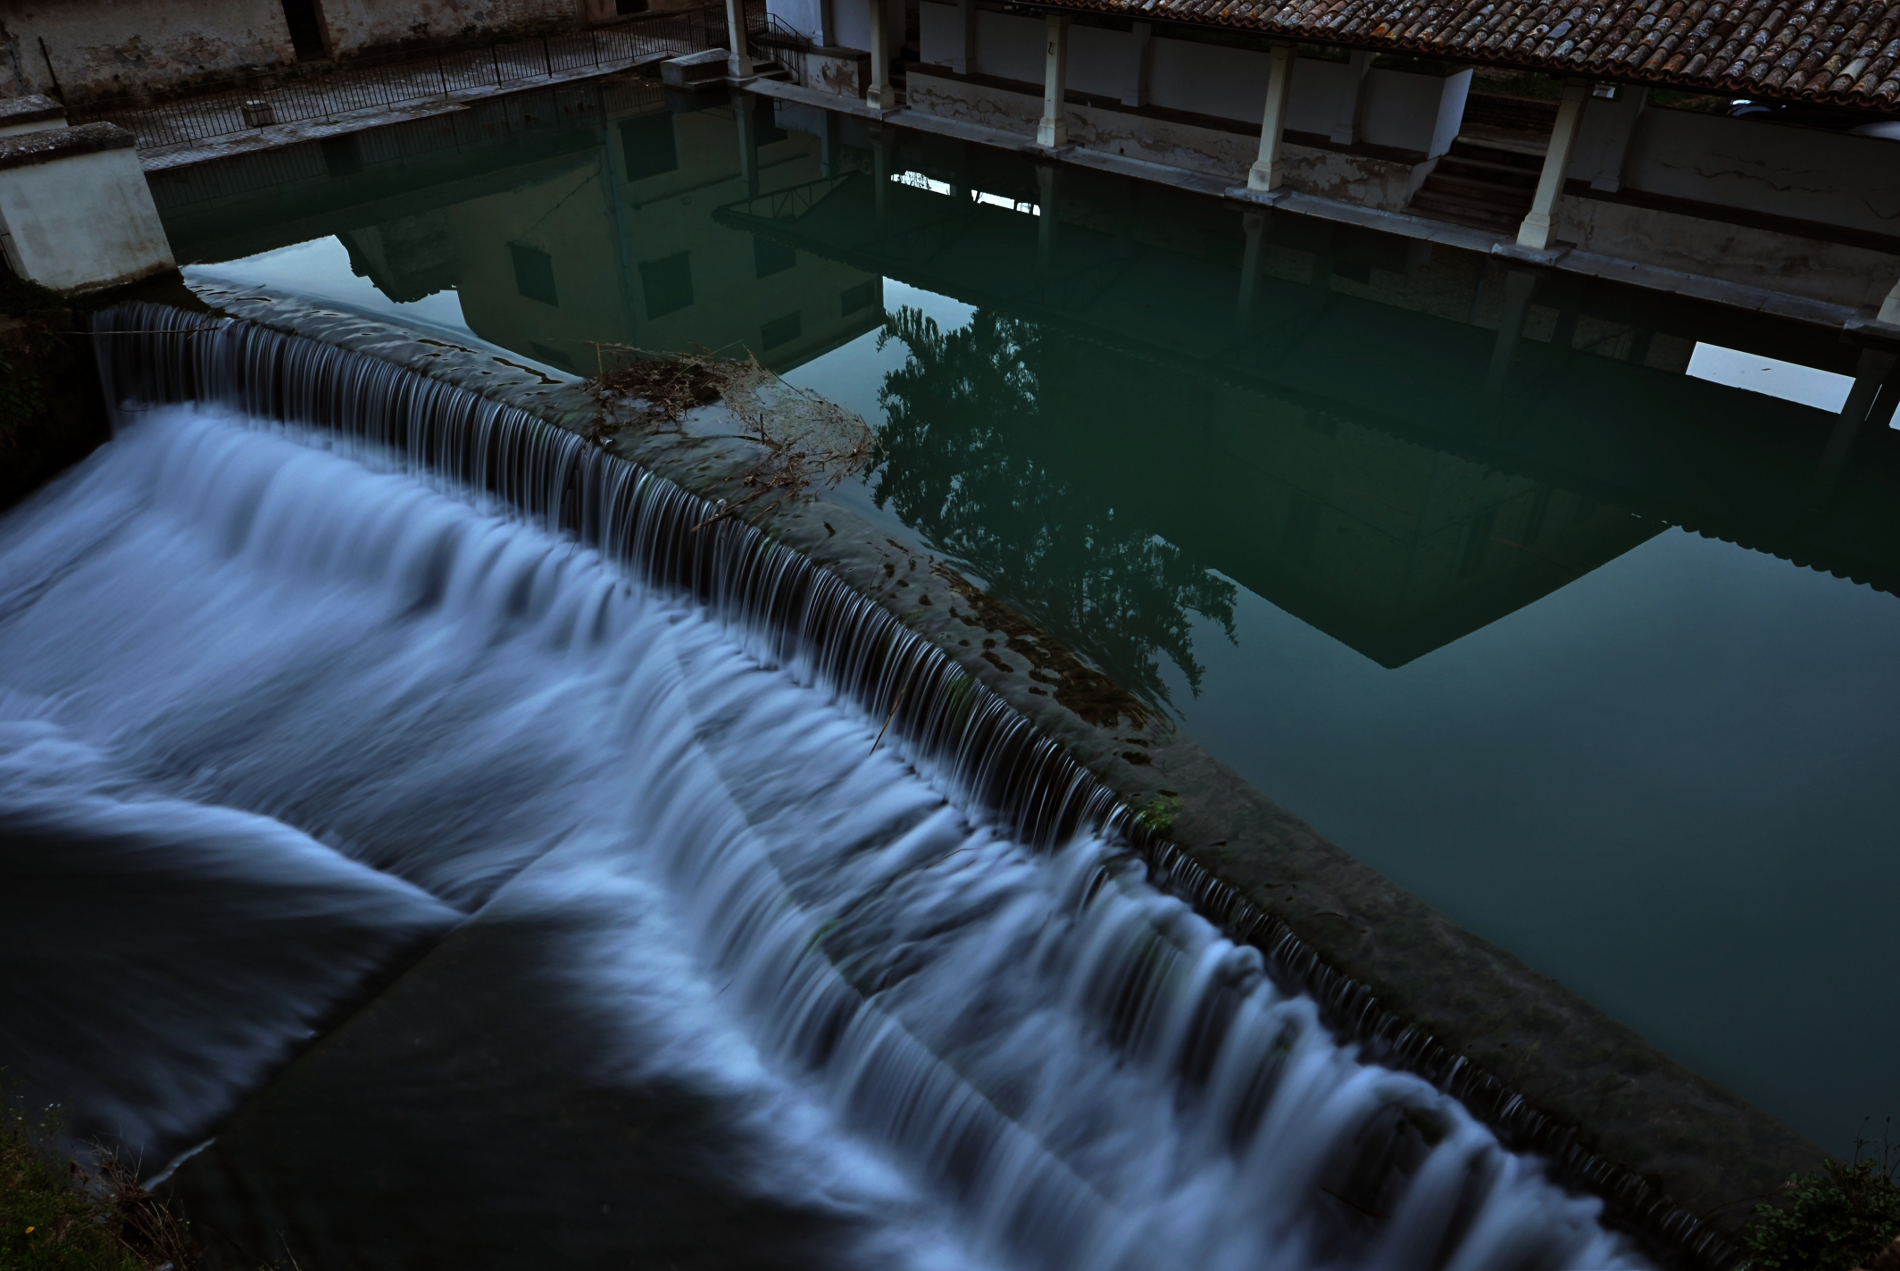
(494, 51)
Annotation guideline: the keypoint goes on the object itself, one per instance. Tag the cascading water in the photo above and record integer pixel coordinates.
(340, 646)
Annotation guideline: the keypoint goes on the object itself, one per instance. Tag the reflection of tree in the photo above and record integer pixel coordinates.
(959, 465)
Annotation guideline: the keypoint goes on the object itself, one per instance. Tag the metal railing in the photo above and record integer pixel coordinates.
(407, 79)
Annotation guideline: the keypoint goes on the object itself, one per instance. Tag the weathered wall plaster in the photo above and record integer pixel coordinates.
(851, 21)
(1361, 179)
(1807, 173)
(105, 48)
(1833, 272)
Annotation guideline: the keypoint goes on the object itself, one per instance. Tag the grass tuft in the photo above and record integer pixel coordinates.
(1836, 1219)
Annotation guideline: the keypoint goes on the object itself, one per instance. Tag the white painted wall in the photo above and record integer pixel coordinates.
(939, 31)
(1208, 79)
(1412, 112)
(1805, 173)
(804, 16)
(853, 24)
(1009, 46)
(1101, 61)
(80, 222)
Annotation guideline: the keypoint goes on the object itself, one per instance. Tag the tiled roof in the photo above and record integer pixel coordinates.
(1834, 51)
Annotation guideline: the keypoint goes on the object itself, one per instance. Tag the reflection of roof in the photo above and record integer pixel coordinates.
(1819, 50)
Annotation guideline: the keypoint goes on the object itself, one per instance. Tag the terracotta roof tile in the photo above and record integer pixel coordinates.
(1841, 51)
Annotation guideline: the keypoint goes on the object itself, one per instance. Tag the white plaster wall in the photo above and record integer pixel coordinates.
(1101, 61)
(1208, 79)
(105, 48)
(1411, 111)
(804, 16)
(853, 22)
(82, 222)
(1806, 173)
(1009, 46)
(1322, 93)
(939, 32)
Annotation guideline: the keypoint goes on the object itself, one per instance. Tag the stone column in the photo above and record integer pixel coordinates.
(1267, 173)
(1536, 231)
(881, 95)
(963, 59)
(1054, 129)
(1141, 66)
(1254, 224)
(881, 168)
(1046, 228)
(739, 62)
(743, 104)
(1518, 286)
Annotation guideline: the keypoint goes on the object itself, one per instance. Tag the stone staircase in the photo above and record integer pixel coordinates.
(1486, 180)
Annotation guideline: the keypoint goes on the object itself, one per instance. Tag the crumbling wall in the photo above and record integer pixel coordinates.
(355, 26)
(81, 50)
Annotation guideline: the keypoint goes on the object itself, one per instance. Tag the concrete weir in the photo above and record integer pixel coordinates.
(1678, 1161)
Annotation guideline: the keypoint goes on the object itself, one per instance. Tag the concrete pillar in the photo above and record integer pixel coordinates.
(743, 104)
(1869, 402)
(1518, 286)
(739, 61)
(881, 95)
(1345, 130)
(1535, 233)
(1254, 224)
(1141, 65)
(1267, 173)
(963, 55)
(1054, 129)
(1046, 224)
(75, 212)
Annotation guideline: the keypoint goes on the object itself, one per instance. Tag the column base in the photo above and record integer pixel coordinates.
(1262, 177)
(1534, 233)
(881, 98)
(1053, 133)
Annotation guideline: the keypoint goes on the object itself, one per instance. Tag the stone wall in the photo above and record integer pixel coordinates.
(83, 50)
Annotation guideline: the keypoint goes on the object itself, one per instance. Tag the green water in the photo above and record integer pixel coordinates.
(1485, 578)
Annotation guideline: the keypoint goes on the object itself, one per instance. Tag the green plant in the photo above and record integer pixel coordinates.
(59, 1215)
(1158, 814)
(1836, 1219)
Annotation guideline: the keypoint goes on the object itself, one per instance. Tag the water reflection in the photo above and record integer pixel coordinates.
(1397, 531)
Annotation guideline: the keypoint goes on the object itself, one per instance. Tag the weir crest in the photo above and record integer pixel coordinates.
(1293, 1096)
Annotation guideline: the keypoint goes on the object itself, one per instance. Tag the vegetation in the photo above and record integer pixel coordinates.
(57, 1215)
(1836, 1219)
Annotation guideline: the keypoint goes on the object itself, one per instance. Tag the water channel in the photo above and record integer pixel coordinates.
(1532, 600)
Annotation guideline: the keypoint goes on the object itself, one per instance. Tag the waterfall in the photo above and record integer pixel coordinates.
(1053, 1025)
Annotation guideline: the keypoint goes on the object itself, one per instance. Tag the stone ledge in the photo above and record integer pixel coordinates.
(16, 111)
(46, 145)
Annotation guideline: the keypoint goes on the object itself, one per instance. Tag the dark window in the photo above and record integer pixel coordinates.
(648, 145)
(852, 299)
(765, 121)
(668, 283)
(551, 357)
(306, 29)
(769, 256)
(534, 274)
(780, 331)
(342, 156)
(627, 8)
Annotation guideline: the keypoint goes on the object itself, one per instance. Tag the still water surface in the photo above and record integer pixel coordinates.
(1492, 587)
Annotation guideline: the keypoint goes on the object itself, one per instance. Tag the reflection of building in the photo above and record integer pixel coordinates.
(619, 247)
(1396, 444)
(560, 217)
